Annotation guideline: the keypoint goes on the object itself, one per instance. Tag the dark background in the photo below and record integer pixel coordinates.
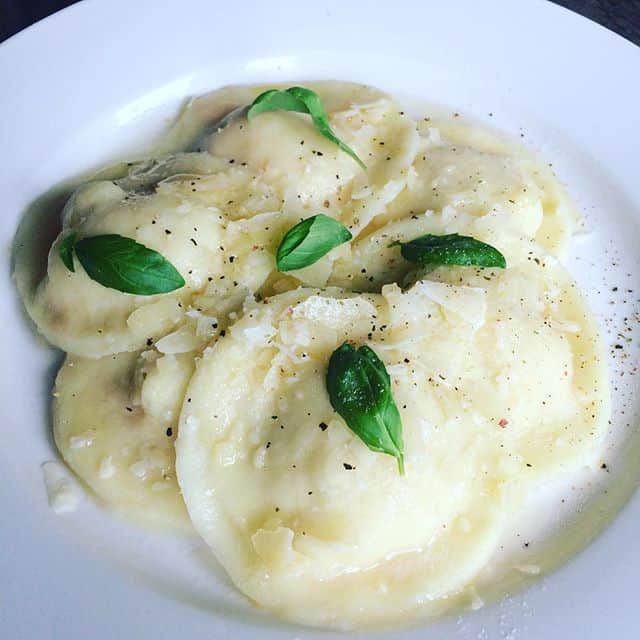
(621, 16)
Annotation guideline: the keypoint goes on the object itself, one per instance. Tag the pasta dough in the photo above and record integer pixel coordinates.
(495, 382)
(499, 375)
(115, 422)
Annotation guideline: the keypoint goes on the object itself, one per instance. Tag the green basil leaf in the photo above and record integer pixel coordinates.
(301, 100)
(452, 249)
(121, 263)
(309, 240)
(276, 100)
(360, 392)
(65, 250)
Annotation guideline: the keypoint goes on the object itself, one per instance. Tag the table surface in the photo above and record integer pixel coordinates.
(621, 16)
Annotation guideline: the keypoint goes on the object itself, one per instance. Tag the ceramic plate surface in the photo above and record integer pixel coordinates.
(96, 81)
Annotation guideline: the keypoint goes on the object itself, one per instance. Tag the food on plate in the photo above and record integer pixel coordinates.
(114, 422)
(182, 219)
(338, 340)
(495, 384)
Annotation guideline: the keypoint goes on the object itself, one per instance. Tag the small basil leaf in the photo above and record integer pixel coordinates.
(275, 100)
(301, 100)
(123, 264)
(309, 240)
(359, 390)
(65, 250)
(451, 249)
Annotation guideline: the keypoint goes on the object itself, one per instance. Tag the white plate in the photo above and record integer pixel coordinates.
(86, 85)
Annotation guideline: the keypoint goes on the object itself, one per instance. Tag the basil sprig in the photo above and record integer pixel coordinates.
(452, 249)
(309, 240)
(360, 391)
(121, 263)
(301, 100)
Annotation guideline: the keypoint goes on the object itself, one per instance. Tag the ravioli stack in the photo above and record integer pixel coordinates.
(498, 374)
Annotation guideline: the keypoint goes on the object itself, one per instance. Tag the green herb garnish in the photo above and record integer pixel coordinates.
(121, 263)
(450, 249)
(360, 391)
(65, 249)
(301, 100)
(309, 240)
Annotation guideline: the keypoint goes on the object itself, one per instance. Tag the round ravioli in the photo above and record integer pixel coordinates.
(116, 417)
(184, 218)
(201, 118)
(498, 382)
(528, 180)
(115, 422)
(475, 171)
(374, 259)
(314, 174)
